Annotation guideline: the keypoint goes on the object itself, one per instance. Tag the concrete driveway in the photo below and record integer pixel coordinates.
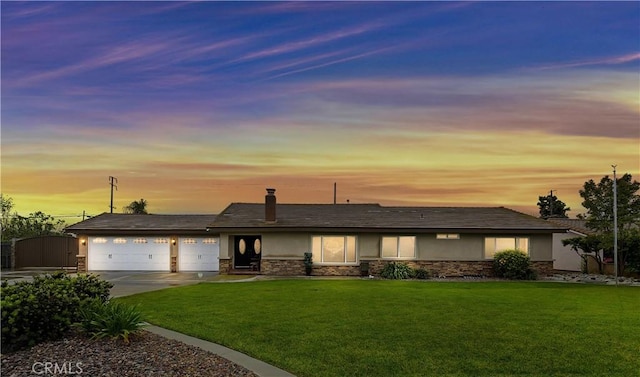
(127, 283)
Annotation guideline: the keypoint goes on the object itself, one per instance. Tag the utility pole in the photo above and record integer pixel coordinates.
(551, 203)
(334, 192)
(113, 181)
(615, 223)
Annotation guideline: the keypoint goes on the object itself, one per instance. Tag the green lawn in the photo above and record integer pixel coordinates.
(412, 328)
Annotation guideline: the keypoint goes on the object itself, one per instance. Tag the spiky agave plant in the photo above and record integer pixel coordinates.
(117, 320)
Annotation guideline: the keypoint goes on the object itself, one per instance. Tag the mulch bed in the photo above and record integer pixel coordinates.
(147, 354)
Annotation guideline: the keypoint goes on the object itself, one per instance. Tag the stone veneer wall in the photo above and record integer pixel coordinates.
(224, 266)
(543, 268)
(82, 263)
(441, 268)
(282, 267)
(435, 268)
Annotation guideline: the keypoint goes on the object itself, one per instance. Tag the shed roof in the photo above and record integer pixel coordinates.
(375, 216)
(132, 222)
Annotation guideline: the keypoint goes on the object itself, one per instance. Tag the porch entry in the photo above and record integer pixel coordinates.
(247, 251)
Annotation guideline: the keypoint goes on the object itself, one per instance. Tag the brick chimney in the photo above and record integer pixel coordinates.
(270, 205)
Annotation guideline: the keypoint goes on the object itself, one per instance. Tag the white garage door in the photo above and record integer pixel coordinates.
(128, 254)
(198, 254)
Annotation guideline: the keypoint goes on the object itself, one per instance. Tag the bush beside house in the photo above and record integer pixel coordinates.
(513, 264)
(398, 271)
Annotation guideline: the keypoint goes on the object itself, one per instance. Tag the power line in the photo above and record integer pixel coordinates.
(83, 215)
(54, 216)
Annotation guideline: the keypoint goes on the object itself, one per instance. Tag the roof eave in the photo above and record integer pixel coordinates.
(107, 232)
(280, 229)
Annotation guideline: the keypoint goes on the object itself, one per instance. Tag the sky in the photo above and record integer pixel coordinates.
(192, 106)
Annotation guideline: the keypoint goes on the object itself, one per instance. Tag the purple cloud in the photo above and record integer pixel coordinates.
(610, 60)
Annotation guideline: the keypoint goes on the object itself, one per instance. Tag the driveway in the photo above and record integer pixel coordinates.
(127, 283)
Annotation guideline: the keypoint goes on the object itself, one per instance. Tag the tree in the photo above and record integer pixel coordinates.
(591, 246)
(36, 224)
(629, 248)
(552, 207)
(598, 200)
(7, 205)
(137, 207)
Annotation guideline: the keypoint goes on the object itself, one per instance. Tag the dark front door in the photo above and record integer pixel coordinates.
(247, 252)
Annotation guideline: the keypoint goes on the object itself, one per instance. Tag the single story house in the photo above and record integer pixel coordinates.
(128, 242)
(346, 239)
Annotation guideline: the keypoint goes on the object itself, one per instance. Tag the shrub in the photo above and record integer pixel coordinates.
(308, 263)
(87, 313)
(396, 271)
(44, 308)
(90, 287)
(112, 319)
(513, 264)
(421, 273)
(308, 260)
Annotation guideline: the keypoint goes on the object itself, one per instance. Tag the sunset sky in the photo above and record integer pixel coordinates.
(196, 105)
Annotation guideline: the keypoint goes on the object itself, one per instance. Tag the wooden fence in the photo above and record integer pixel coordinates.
(46, 251)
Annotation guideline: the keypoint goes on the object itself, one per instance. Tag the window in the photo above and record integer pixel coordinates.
(399, 247)
(189, 241)
(119, 240)
(493, 245)
(140, 240)
(333, 249)
(99, 240)
(161, 240)
(210, 241)
(447, 236)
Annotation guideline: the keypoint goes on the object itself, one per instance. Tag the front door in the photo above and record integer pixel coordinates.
(247, 252)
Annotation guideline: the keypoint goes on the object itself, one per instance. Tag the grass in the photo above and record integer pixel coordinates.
(410, 328)
(230, 277)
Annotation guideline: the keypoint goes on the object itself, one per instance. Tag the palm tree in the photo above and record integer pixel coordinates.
(137, 207)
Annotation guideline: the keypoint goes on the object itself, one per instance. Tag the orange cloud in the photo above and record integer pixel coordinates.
(473, 169)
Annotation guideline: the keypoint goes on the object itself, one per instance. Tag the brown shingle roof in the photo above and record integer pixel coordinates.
(577, 225)
(375, 216)
(130, 222)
